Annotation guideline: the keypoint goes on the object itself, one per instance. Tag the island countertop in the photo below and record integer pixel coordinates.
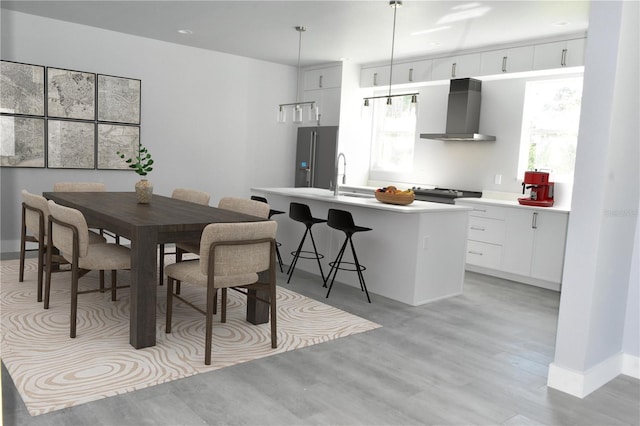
(360, 200)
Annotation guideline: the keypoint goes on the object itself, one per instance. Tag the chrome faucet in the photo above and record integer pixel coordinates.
(344, 173)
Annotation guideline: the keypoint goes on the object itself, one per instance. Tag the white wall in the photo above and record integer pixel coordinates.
(208, 118)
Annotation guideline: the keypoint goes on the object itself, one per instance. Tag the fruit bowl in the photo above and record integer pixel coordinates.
(401, 199)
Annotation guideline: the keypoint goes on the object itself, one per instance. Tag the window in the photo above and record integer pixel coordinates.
(550, 127)
(393, 135)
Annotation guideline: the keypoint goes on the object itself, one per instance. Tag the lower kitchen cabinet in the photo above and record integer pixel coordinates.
(520, 243)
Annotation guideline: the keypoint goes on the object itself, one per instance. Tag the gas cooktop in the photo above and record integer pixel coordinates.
(443, 195)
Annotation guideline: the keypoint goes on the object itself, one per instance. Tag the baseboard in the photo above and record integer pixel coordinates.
(581, 384)
(513, 277)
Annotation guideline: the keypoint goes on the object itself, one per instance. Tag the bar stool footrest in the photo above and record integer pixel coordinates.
(352, 268)
(305, 254)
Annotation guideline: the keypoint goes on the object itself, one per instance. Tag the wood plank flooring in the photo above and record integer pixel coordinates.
(477, 359)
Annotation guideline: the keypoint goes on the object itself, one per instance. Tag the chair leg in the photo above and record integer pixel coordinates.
(209, 327)
(178, 259)
(296, 256)
(315, 250)
(23, 248)
(279, 259)
(223, 306)
(113, 285)
(47, 281)
(274, 315)
(101, 281)
(169, 304)
(161, 265)
(41, 251)
(334, 268)
(74, 301)
(363, 286)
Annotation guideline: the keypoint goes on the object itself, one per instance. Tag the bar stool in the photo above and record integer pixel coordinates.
(343, 221)
(301, 213)
(272, 212)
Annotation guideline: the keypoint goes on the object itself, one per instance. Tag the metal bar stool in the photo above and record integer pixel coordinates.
(272, 212)
(301, 213)
(343, 221)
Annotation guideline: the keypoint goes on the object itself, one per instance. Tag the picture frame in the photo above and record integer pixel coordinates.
(113, 138)
(71, 94)
(22, 89)
(22, 141)
(70, 144)
(119, 99)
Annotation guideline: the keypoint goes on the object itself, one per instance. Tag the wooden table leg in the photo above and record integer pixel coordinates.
(257, 311)
(144, 281)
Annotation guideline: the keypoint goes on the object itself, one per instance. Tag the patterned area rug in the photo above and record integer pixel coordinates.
(52, 371)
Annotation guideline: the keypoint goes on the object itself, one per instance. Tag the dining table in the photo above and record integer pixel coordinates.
(162, 220)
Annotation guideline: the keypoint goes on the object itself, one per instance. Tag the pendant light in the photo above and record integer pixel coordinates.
(297, 108)
(395, 4)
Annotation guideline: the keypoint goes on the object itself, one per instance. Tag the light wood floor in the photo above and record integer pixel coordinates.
(477, 359)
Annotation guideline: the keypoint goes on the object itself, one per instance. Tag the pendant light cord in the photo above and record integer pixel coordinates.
(393, 43)
(300, 30)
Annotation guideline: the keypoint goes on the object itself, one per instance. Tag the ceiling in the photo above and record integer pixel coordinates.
(358, 31)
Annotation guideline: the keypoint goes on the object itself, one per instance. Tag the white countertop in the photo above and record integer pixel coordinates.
(349, 198)
(511, 203)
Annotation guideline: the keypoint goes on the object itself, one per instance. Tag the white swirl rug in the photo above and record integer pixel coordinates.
(52, 371)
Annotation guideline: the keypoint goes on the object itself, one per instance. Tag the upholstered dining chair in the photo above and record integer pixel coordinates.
(68, 232)
(35, 214)
(85, 187)
(235, 204)
(232, 255)
(184, 194)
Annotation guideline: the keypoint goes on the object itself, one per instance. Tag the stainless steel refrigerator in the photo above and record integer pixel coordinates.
(316, 156)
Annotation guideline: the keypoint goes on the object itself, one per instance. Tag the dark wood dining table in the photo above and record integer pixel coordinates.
(163, 220)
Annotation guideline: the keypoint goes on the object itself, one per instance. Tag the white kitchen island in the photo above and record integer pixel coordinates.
(415, 254)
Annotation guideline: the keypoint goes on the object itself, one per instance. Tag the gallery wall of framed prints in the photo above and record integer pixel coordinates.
(67, 119)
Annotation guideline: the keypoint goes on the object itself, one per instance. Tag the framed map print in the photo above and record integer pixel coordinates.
(22, 88)
(113, 138)
(71, 94)
(70, 144)
(21, 141)
(118, 99)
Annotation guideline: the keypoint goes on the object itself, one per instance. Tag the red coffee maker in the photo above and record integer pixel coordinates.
(541, 194)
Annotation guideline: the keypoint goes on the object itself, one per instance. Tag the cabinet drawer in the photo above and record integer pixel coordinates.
(484, 254)
(484, 210)
(486, 230)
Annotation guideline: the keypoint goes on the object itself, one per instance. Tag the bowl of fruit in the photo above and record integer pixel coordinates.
(392, 195)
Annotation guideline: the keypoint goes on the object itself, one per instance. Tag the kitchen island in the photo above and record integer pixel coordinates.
(414, 254)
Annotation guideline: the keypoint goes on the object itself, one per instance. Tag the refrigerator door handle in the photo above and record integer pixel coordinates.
(312, 156)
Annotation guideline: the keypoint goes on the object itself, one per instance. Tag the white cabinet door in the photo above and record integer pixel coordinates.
(517, 59)
(518, 241)
(323, 78)
(375, 76)
(328, 102)
(568, 53)
(456, 67)
(411, 72)
(548, 250)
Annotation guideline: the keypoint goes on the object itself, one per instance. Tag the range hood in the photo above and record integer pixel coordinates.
(463, 113)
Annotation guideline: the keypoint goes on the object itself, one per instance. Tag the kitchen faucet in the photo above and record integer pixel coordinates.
(344, 173)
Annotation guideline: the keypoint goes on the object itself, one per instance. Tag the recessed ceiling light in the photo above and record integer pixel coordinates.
(185, 32)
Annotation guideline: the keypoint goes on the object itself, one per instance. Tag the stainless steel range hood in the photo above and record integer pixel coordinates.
(463, 113)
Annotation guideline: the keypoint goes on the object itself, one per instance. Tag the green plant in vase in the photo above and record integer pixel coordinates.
(142, 165)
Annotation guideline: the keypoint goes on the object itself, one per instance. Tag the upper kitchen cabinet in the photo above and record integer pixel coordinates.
(461, 66)
(568, 53)
(374, 76)
(322, 78)
(411, 72)
(517, 59)
(323, 86)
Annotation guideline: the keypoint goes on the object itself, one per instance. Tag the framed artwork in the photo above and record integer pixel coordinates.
(118, 99)
(70, 144)
(22, 88)
(71, 94)
(21, 141)
(113, 138)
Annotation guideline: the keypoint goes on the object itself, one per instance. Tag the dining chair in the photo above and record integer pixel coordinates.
(232, 255)
(85, 187)
(235, 204)
(184, 194)
(35, 213)
(68, 231)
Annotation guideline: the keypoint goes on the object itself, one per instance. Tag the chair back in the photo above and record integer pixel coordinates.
(300, 212)
(62, 236)
(340, 219)
(191, 195)
(79, 187)
(242, 205)
(236, 257)
(38, 210)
